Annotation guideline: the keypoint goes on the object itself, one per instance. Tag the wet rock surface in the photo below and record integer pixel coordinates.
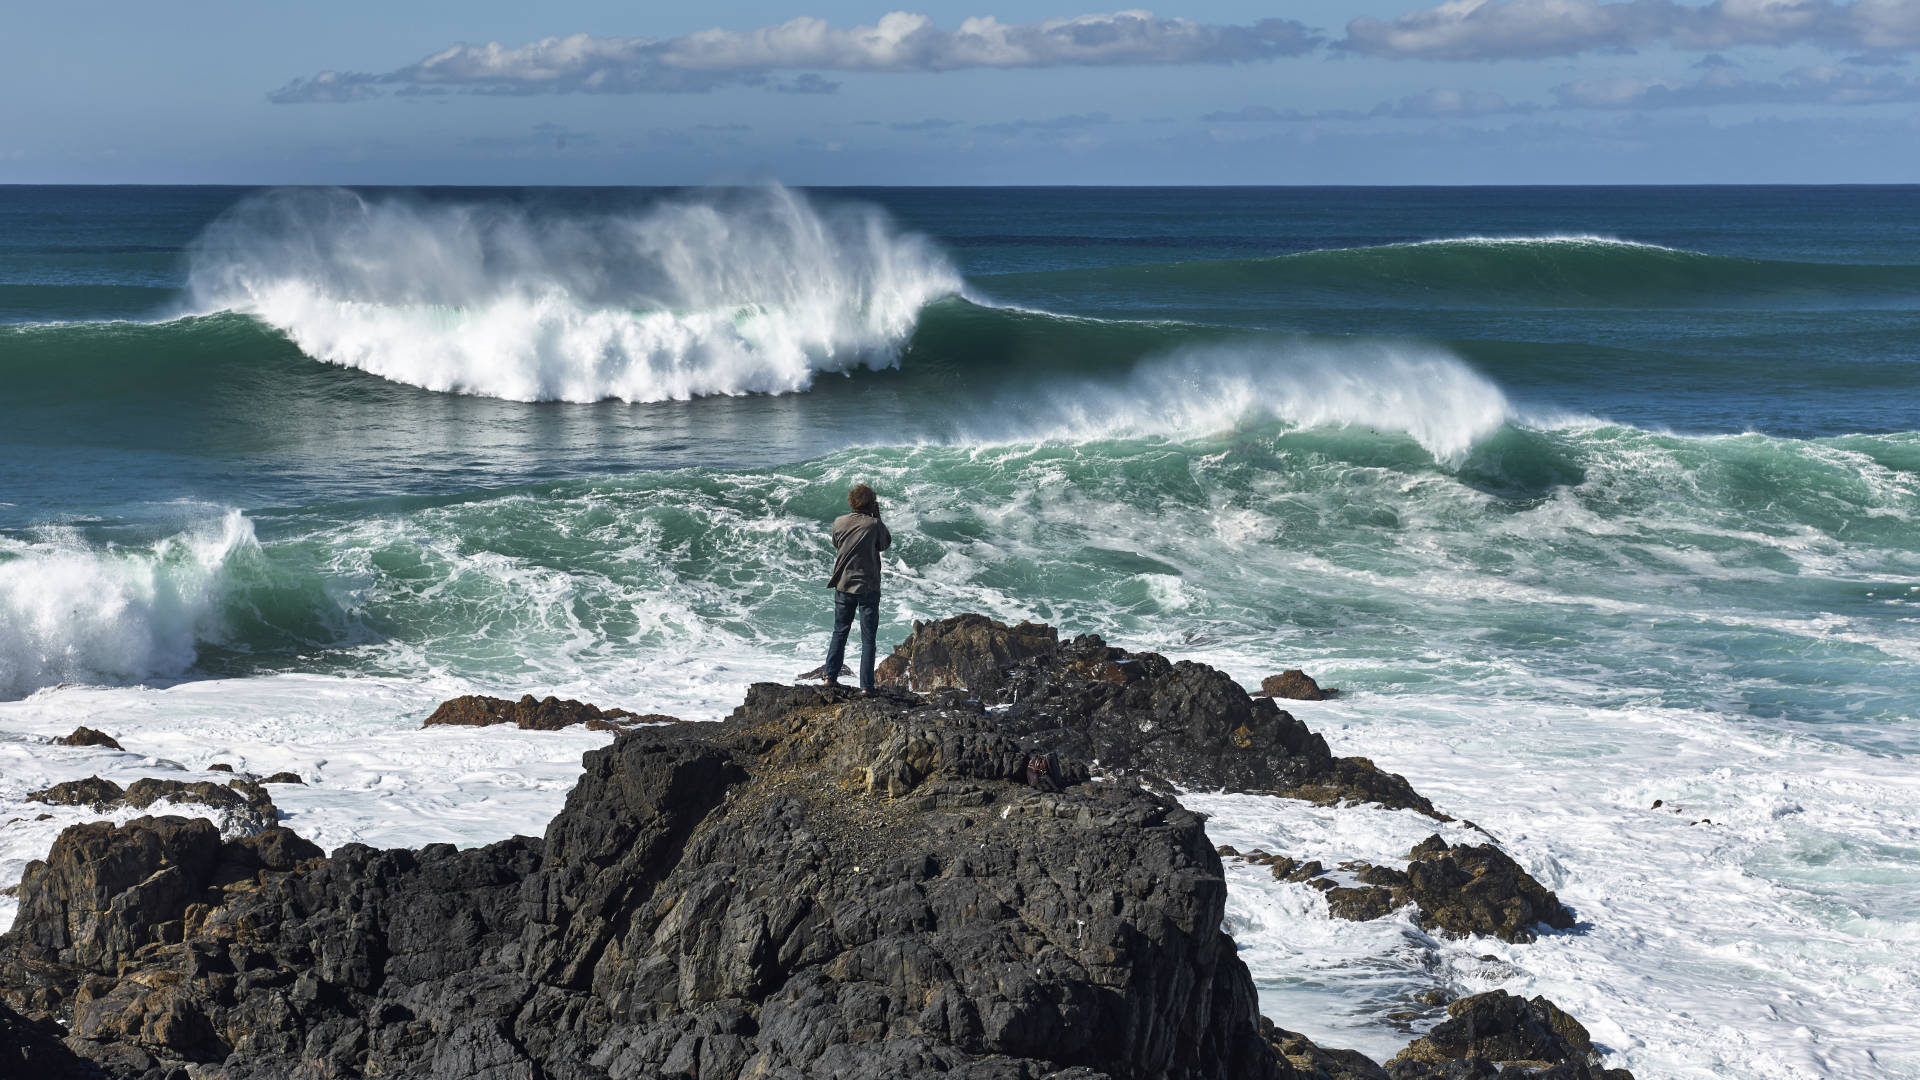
(1460, 890)
(1478, 889)
(246, 804)
(531, 714)
(1486, 1034)
(826, 884)
(86, 736)
(1295, 684)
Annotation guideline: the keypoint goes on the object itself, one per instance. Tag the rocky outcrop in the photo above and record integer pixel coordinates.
(528, 714)
(1140, 715)
(92, 791)
(1497, 1030)
(1459, 890)
(1294, 684)
(969, 652)
(826, 884)
(105, 892)
(86, 736)
(245, 804)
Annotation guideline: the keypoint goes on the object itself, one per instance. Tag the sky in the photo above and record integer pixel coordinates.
(826, 92)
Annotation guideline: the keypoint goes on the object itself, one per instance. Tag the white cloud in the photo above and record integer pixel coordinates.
(1527, 29)
(897, 42)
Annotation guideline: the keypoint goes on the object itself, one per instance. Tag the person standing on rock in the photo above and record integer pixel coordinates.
(858, 539)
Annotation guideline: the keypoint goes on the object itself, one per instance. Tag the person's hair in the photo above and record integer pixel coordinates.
(862, 500)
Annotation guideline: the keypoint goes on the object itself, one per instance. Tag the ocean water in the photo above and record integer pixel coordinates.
(1587, 498)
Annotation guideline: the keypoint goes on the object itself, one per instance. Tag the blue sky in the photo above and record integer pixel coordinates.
(485, 92)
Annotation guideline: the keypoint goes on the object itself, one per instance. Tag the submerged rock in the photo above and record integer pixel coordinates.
(86, 736)
(530, 714)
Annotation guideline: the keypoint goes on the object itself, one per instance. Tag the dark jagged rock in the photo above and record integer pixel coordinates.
(1360, 904)
(220, 766)
(529, 714)
(246, 803)
(1498, 1030)
(1479, 889)
(970, 652)
(92, 791)
(825, 885)
(283, 778)
(1294, 684)
(1313, 1062)
(105, 891)
(1459, 890)
(86, 736)
(1138, 714)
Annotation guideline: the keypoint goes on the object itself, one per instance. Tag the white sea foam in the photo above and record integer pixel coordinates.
(73, 612)
(1731, 949)
(726, 292)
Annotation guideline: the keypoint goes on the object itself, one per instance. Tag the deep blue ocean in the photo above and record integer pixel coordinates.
(1588, 496)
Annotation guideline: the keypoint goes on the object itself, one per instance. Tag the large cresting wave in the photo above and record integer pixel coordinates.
(734, 291)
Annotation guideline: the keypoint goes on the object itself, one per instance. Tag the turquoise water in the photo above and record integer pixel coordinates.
(1525, 470)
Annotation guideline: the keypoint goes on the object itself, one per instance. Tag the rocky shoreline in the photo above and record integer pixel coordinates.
(823, 885)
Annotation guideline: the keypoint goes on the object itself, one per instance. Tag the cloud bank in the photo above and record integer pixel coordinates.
(898, 42)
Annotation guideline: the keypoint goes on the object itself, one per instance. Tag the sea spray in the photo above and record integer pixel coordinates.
(1423, 392)
(731, 291)
(71, 612)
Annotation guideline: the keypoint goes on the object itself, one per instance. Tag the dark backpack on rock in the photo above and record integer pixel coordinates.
(1043, 771)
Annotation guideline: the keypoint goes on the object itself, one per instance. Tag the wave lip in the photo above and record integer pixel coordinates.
(1544, 240)
(726, 292)
(1423, 392)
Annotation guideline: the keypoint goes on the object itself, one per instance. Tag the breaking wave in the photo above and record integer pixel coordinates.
(726, 292)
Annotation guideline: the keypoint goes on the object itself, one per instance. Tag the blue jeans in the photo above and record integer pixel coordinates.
(844, 606)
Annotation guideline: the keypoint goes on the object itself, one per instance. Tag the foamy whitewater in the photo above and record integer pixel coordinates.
(1514, 469)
